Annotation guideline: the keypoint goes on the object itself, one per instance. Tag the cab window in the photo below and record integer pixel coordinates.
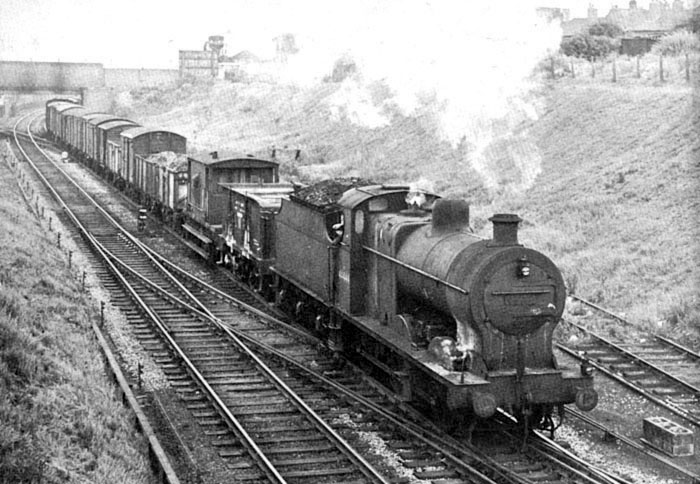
(378, 205)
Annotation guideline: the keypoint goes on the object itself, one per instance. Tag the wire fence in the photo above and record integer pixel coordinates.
(650, 69)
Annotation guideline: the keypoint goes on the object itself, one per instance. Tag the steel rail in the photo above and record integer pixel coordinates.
(321, 425)
(638, 359)
(430, 438)
(257, 454)
(449, 450)
(599, 308)
(422, 434)
(208, 315)
(679, 347)
(215, 320)
(157, 448)
(635, 445)
(234, 337)
(667, 341)
(594, 471)
(667, 405)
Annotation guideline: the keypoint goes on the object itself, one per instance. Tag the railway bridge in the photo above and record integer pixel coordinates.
(50, 76)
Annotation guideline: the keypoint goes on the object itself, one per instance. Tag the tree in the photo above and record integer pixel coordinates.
(589, 47)
(694, 22)
(605, 29)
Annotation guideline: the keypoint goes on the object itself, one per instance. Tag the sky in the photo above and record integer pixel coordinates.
(148, 33)
(462, 67)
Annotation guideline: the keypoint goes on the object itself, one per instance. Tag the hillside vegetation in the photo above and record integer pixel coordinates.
(60, 419)
(615, 202)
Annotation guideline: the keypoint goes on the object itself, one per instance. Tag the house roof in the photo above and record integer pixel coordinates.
(245, 55)
(631, 20)
(577, 26)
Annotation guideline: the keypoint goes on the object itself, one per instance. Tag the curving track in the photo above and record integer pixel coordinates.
(659, 369)
(274, 405)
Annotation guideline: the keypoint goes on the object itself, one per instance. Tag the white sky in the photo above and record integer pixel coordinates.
(148, 33)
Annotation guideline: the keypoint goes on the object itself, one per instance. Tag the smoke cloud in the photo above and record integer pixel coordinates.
(466, 66)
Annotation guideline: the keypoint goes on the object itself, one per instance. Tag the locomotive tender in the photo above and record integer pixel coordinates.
(391, 278)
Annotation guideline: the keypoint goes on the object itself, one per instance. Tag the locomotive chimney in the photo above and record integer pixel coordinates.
(505, 228)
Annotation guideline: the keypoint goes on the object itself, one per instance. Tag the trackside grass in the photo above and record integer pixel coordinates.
(60, 420)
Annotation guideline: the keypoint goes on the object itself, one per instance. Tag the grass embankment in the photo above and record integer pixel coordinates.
(60, 419)
(615, 204)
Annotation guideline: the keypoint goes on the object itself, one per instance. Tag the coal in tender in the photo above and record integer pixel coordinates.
(328, 192)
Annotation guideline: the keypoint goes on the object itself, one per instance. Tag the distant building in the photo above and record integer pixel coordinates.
(198, 63)
(641, 27)
(202, 63)
(233, 68)
(285, 45)
(552, 14)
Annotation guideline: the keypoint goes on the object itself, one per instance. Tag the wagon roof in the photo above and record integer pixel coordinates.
(266, 196)
(90, 116)
(51, 102)
(78, 111)
(134, 133)
(66, 106)
(117, 123)
(206, 158)
(99, 118)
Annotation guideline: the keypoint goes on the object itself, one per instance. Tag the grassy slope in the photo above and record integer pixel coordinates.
(59, 417)
(615, 204)
(251, 118)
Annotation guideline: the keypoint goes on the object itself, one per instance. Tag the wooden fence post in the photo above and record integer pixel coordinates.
(551, 66)
(614, 70)
(639, 72)
(687, 67)
(573, 71)
(593, 69)
(661, 68)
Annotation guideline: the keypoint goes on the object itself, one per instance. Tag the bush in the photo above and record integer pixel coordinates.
(590, 47)
(555, 65)
(693, 23)
(677, 43)
(605, 29)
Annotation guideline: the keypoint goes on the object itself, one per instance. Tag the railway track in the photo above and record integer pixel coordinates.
(643, 449)
(658, 369)
(281, 420)
(242, 388)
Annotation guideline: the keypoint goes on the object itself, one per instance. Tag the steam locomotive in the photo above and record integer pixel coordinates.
(390, 277)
